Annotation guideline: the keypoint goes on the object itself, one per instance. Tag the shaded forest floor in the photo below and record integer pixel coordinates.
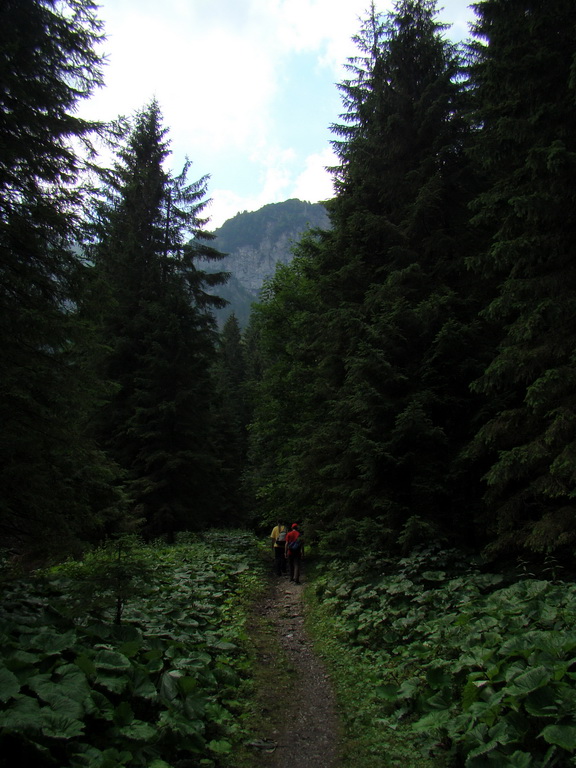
(295, 719)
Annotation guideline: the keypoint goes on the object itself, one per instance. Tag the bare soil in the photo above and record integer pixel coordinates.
(297, 724)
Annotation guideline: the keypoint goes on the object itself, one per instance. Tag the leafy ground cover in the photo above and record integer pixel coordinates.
(437, 663)
(134, 656)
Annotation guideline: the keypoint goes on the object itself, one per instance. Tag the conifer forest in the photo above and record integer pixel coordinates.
(405, 388)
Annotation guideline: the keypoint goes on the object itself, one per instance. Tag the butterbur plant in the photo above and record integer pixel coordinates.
(513, 684)
(484, 672)
(79, 690)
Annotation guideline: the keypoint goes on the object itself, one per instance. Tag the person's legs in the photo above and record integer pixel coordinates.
(291, 559)
(296, 567)
(278, 558)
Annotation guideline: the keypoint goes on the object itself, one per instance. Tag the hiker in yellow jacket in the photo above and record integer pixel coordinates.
(278, 537)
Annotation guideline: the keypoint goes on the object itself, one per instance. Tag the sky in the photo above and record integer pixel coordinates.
(247, 88)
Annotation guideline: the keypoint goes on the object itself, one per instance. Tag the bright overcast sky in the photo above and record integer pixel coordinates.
(247, 88)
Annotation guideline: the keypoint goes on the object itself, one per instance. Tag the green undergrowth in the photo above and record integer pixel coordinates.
(135, 656)
(439, 664)
(366, 739)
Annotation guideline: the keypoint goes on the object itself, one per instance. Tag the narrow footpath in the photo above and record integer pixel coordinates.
(299, 721)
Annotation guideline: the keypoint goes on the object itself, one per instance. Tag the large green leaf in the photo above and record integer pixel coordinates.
(65, 695)
(521, 644)
(91, 757)
(143, 686)
(181, 724)
(9, 685)
(198, 660)
(63, 705)
(520, 759)
(529, 681)
(20, 660)
(440, 700)
(123, 714)
(86, 665)
(102, 706)
(432, 722)
(561, 735)
(59, 726)
(52, 644)
(126, 633)
(113, 683)
(220, 746)
(73, 681)
(438, 678)
(139, 731)
(111, 660)
(187, 684)
(387, 691)
(22, 715)
(514, 670)
(169, 688)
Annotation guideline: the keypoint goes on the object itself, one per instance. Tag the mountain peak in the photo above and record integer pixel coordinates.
(255, 242)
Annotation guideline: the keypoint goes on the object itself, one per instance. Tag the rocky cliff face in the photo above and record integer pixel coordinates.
(252, 264)
(255, 243)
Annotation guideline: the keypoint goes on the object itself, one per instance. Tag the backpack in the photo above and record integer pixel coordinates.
(295, 545)
(281, 538)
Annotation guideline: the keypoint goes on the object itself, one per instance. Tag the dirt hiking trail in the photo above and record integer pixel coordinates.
(300, 724)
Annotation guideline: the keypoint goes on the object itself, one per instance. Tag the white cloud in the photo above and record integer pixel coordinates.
(212, 84)
(219, 71)
(314, 184)
(278, 183)
(226, 204)
(275, 171)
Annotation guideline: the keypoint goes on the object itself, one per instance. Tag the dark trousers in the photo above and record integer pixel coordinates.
(279, 561)
(294, 564)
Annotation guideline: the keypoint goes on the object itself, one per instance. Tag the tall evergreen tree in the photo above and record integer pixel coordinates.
(523, 77)
(52, 480)
(153, 313)
(398, 315)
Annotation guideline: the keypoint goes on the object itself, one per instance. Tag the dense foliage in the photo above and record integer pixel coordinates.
(156, 683)
(480, 670)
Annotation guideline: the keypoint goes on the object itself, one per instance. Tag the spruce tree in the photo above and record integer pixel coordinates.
(54, 483)
(522, 77)
(153, 312)
(397, 315)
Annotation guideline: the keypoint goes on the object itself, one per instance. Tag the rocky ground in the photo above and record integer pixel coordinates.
(299, 725)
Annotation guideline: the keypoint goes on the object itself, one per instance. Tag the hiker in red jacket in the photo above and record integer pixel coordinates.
(294, 550)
